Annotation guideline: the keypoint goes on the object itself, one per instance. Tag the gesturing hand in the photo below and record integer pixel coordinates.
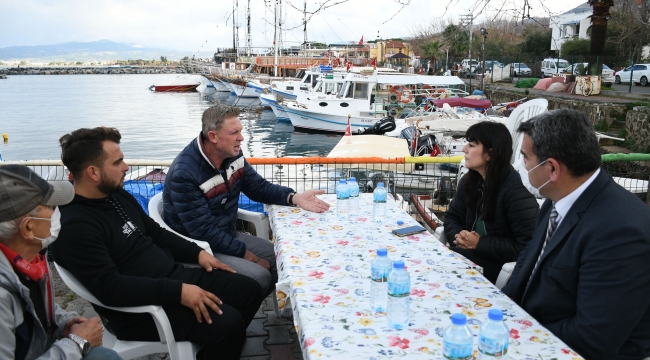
(209, 262)
(309, 201)
(90, 330)
(198, 300)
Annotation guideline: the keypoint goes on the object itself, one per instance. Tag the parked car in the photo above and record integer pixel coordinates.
(554, 66)
(469, 66)
(490, 64)
(606, 76)
(640, 75)
(519, 69)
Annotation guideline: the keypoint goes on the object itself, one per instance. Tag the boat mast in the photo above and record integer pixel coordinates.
(275, 38)
(249, 41)
(234, 35)
(304, 30)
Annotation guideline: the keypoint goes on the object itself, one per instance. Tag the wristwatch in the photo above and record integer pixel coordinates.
(291, 199)
(84, 346)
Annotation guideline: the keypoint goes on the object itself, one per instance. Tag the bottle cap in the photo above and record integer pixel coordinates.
(382, 252)
(495, 314)
(342, 181)
(353, 179)
(458, 319)
(399, 264)
(400, 222)
(381, 184)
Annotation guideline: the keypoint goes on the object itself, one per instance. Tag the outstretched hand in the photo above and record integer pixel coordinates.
(308, 201)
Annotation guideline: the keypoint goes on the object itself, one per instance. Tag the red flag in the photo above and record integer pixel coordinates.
(374, 63)
(436, 150)
(361, 41)
(348, 129)
(414, 144)
(420, 71)
(349, 66)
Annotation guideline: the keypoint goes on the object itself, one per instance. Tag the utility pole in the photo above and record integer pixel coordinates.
(484, 33)
(468, 20)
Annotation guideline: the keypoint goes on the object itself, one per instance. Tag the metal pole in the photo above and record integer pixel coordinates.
(631, 73)
(484, 32)
(275, 40)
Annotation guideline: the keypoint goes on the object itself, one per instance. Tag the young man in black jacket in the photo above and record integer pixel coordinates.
(125, 258)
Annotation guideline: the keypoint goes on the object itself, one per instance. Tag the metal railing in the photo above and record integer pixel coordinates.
(423, 186)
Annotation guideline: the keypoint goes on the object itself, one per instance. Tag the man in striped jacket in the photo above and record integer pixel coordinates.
(202, 191)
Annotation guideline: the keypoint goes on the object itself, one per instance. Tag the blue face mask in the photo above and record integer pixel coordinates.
(526, 181)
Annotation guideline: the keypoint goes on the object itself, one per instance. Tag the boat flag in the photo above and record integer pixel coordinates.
(374, 62)
(414, 144)
(436, 150)
(348, 129)
(349, 66)
(361, 41)
(420, 71)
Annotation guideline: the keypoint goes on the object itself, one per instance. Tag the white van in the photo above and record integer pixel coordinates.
(554, 66)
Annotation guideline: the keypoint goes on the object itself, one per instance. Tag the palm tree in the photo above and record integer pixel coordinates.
(599, 19)
(432, 50)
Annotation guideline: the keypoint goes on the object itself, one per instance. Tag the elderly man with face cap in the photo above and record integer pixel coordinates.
(32, 325)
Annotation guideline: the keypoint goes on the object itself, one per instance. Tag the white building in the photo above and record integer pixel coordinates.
(575, 23)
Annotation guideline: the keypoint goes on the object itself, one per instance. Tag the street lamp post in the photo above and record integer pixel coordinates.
(484, 33)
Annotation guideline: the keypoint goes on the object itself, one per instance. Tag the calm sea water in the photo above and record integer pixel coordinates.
(36, 110)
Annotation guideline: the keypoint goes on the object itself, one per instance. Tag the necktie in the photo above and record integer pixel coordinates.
(552, 225)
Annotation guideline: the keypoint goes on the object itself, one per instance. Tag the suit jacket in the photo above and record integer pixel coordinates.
(592, 285)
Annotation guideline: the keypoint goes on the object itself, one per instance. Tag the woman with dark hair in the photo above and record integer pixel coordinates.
(493, 216)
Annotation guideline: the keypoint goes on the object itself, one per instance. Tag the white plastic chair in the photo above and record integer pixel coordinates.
(181, 350)
(520, 114)
(260, 221)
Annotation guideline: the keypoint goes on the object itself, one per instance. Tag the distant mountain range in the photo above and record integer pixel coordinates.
(102, 50)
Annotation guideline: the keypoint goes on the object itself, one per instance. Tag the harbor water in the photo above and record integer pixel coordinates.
(36, 110)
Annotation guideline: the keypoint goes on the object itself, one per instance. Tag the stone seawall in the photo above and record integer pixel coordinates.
(638, 126)
(597, 111)
(82, 70)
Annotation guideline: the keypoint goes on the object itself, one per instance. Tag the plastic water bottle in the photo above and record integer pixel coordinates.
(380, 268)
(399, 291)
(342, 200)
(493, 337)
(379, 203)
(457, 340)
(354, 196)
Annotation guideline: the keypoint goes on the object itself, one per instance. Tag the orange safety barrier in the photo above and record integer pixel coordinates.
(323, 160)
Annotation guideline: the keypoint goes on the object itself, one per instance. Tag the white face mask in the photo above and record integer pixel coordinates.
(55, 227)
(524, 178)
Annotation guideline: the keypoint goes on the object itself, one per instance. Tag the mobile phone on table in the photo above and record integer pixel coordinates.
(408, 230)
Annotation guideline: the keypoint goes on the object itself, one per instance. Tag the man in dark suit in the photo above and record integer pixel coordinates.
(585, 275)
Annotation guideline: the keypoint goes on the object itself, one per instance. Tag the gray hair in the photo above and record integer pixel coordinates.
(214, 117)
(9, 228)
(567, 136)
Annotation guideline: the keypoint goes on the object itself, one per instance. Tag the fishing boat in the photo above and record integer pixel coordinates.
(366, 98)
(174, 88)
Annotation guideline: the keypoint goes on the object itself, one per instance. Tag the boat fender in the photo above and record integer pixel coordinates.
(5, 137)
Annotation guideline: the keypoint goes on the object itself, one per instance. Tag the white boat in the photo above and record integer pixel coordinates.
(355, 100)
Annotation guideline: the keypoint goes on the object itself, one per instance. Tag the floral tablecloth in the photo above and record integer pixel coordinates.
(324, 267)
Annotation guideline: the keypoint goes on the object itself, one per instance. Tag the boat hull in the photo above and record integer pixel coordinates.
(278, 110)
(175, 88)
(302, 118)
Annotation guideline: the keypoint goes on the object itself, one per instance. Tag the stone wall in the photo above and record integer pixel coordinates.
(597, 111)
(638, 126)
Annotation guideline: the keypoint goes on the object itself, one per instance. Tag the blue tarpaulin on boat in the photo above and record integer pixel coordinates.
(144, 190)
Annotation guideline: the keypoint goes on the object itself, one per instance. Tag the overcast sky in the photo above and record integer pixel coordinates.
(192, 25)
